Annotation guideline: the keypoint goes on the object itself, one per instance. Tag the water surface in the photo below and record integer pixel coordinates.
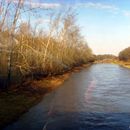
(96, 98)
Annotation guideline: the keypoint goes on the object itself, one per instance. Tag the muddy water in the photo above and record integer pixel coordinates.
(96, 98)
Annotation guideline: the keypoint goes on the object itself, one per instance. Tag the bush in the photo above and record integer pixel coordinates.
(125, 54)
(28, 51)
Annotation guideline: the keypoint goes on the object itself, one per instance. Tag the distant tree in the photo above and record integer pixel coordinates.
(125, 54)
(105, 56)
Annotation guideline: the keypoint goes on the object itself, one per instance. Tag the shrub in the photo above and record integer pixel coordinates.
(125, 54)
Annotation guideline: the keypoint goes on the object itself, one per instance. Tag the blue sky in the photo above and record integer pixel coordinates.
(105, 23)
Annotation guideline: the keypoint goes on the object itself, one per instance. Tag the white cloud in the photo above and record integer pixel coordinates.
(126, 13)
(98, 6)
(45, 5)
(42, 20)
(40, 5)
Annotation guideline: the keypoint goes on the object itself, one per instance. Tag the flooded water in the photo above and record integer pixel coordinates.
(96, 98)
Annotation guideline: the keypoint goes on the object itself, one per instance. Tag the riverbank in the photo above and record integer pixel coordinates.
(124, 64)
(19, 99)
(111, 61)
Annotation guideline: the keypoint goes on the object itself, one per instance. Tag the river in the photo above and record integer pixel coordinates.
(96, 98)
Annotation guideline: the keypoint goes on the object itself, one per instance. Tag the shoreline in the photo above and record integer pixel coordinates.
(118, 62)
(124, 64)
(22, 97)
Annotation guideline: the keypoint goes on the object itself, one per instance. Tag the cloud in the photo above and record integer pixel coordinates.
(108, 7)
(98, 6)
(40, 4)
(45, 5)
(42, 20)
(126, 13)
(95, 5)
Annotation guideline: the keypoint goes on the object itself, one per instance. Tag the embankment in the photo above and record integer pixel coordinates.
(20, 98)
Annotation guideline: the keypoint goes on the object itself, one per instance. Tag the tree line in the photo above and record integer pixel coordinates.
(123, 55)
(28, 51)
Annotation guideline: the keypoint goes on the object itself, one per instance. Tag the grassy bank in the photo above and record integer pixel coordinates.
(19, 99)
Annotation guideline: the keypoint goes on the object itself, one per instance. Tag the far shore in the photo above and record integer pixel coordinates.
(125, 64)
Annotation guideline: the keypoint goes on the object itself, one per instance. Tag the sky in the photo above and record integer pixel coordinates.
(105, 24)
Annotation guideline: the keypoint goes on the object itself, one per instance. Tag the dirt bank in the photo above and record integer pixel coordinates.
(19, 99)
